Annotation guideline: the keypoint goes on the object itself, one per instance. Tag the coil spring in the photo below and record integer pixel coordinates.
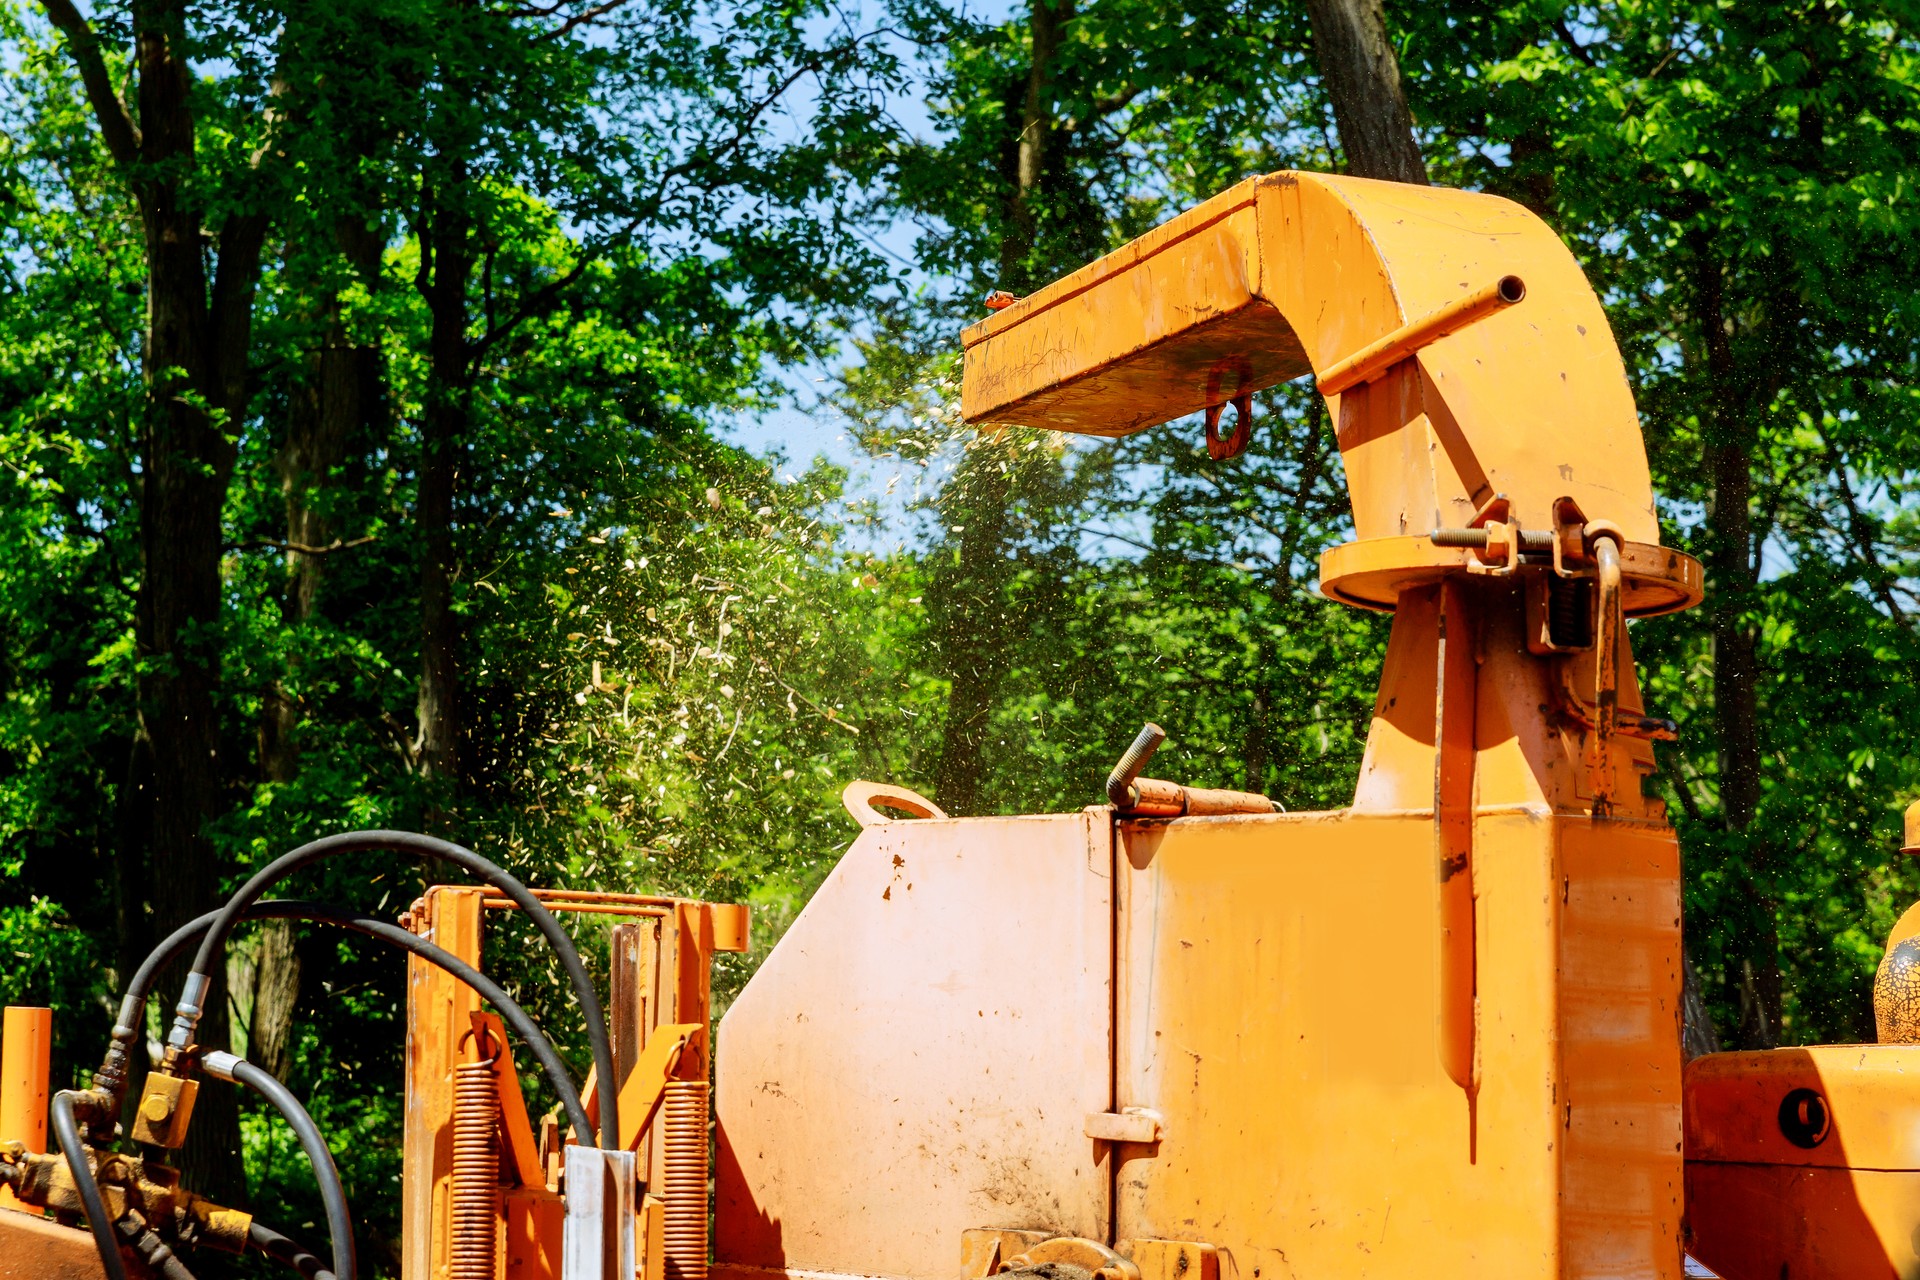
(475, 1193)
(684, 1180)
(1570, 612)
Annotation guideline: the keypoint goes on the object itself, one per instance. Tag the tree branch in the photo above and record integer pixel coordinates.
(1113, 102)
(1579, 50)
(543, 297)
(274, 544)
(116, 124)
(580, 19)
(1881, 579)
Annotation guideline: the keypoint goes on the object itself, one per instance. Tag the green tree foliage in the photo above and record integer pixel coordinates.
(498, 266)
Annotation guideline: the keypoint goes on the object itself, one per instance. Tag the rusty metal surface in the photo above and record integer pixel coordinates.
(663, 962)
(1374, 573)
(473, 1195)
(35, 1248)
(918, 1055)
(440, 1012)
(684, 1141)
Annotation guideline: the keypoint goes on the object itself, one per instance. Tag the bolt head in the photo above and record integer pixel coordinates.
(156, 1107)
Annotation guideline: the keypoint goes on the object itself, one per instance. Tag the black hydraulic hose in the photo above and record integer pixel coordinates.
(332, 1193)
(153, 1249)
(510, 1011)
(421, 848)
(67, 1131)
(276, 1246)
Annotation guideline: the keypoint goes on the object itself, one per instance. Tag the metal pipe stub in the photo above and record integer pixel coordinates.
(1373, 360)
(1120, 790)
(1134, 796)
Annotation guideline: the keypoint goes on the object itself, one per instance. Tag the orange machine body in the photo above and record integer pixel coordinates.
(661, 954)
(1806, 1162)
(26, 1049)
(1434, 1033)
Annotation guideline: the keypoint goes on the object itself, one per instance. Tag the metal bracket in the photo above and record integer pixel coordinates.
(597, 1241)
(646, 1084)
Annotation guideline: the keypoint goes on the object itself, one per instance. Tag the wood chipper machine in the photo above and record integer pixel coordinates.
(1180, 1035)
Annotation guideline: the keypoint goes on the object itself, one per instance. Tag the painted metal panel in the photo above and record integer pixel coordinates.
(1292, 272)
(1278, 1007)
(919, 1054)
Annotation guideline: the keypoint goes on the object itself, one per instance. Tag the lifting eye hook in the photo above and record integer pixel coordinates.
(1236, 444)
(486, 1037)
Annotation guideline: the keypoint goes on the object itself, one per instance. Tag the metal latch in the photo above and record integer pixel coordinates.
(1133, 1124)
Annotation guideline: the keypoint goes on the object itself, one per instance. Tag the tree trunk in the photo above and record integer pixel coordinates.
(196, 356)
(1697, 1035)
(1032, 145)
(1755, 944)
(331, 400)
(1362, 76)
(1753, 968)
(448, 229)
(272, 971)
(195, 364)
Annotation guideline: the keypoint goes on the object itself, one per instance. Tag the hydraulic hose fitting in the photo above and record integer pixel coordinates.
(110, 1077)
(154, 1251)
(110, 1080)
(186, 1015)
